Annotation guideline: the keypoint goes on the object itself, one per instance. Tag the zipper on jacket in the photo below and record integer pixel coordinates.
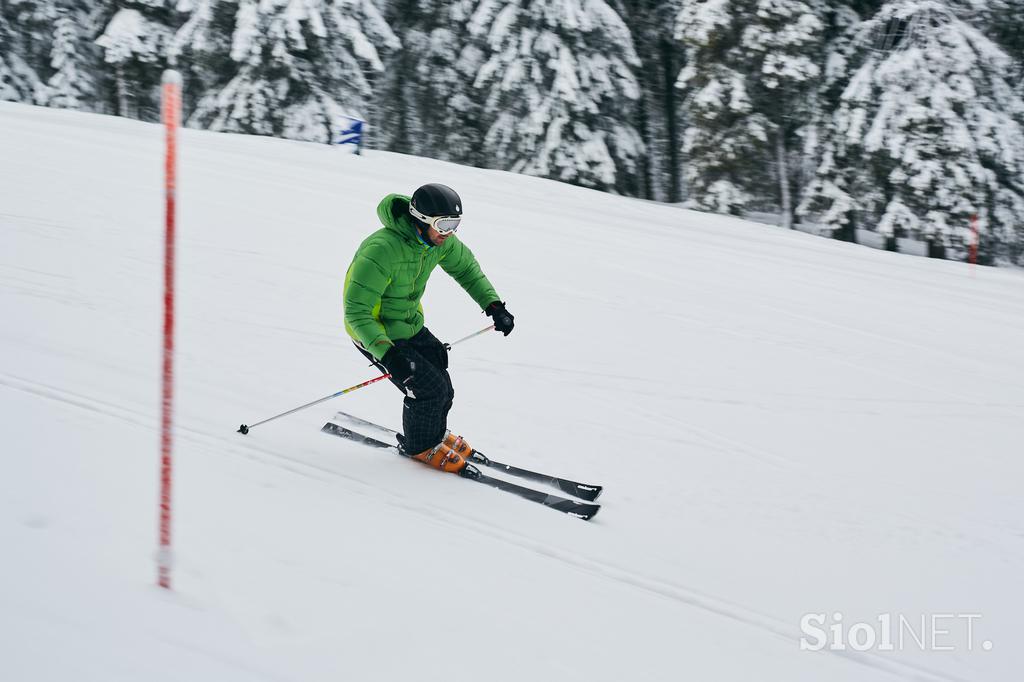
(416, 279)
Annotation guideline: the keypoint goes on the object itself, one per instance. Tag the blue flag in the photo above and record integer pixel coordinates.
(351, 133)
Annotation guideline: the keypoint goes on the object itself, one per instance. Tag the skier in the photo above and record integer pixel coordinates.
(384, 316)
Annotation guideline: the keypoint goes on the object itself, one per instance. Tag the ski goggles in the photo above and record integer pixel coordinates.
(443, 224)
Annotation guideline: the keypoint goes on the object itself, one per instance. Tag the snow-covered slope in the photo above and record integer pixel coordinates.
(784, 425)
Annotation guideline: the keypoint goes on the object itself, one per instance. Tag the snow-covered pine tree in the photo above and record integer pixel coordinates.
(135, 39)
(928, 133)
(71, 85)
(831, 192)
(752, 69)
(201, 47)
(18, 81)
(1003, 22)
(559, 88)
(424, 99)
(293, 67)
(25, 27)
(657, 111)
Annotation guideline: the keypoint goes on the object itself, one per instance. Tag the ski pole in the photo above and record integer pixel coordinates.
(244, 429)
(467, 338)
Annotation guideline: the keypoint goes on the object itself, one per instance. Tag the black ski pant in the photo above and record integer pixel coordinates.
(428, 395)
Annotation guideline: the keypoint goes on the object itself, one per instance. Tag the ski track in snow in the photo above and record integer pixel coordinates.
(783, 424)
(679, 593)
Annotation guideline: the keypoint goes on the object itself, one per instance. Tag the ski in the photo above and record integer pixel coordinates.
(581, 490)
(580, 510)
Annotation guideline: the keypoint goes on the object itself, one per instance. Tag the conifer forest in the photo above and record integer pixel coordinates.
(899, 117)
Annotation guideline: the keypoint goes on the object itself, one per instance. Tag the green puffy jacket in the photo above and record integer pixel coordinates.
(389, 273)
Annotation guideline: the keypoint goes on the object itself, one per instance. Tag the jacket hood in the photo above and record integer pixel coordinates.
(393, 211)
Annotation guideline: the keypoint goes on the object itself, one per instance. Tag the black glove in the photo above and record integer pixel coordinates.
(503, 320)
(401, 367)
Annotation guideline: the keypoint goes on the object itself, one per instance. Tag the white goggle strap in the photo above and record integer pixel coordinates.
(420, 216)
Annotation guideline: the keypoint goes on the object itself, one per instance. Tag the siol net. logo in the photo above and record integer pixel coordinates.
(892, 632)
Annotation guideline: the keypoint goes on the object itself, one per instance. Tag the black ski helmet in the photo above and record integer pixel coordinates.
(435, 200)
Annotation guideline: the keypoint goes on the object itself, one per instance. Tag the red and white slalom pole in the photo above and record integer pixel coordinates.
(172, 121)
(973, 256)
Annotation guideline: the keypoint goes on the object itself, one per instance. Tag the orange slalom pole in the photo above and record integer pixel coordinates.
(172, 120)
(973, 258)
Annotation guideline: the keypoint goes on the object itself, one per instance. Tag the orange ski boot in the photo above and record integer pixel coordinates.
(458, 444)
(442, 457)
